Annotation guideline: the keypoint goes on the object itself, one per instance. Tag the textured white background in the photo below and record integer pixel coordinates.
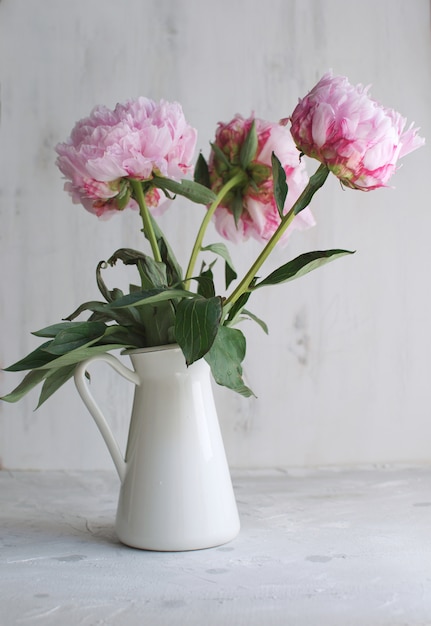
(343, 377)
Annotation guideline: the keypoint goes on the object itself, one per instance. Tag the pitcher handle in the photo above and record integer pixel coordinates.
(96, 413)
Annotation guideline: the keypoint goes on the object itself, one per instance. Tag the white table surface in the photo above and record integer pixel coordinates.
(316, 548)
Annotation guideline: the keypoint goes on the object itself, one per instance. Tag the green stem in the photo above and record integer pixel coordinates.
(148, 231)
(315, 182)
(238, 178)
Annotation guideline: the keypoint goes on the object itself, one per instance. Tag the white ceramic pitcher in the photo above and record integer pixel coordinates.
(176, 490)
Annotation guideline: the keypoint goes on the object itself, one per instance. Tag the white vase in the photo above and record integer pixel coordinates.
(176, 491)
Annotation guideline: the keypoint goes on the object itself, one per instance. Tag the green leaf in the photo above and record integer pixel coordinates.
(150, 296)
(258, 174)
(205, 282)
(75, 336)
(127, 255)
(301, 265)
(314, 183)
(280, 184)
(236, 309)
(157, 324)
(201, 174)
(57, 369)
(103, 313)
(55, 375)
(237, 206)
(54, 380)
(220, 156)
(229, 275)
(123, 197)
(152, 273)
(37, 358)
(119, 334)
(173, 269)
(188, 188)
(52, 331)
(196, 326)
(256, 319)
(80, 354)
(249, 147)
(161, 331)
(30, 380)
(225, 357)
(108, 295)
(93, 306)
(221, 250)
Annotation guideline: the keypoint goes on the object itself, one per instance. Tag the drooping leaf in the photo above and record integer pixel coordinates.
(225, 358)
(30, 381)
(249, 147)
(56, 372)
(301, 265)
(152, 273)
(280, 184)
(188, 188)
(92, 306)
(36, 358)
(127, 255)
(196, 325)
(108, 295)
(53, 381)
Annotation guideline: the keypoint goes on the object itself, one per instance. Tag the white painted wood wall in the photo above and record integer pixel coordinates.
(344, 376)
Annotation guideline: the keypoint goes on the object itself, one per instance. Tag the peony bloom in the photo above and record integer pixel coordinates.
(257, 215)
(359, 140)
(136, 140)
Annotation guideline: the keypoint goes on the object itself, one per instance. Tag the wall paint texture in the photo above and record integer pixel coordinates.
(343, 377)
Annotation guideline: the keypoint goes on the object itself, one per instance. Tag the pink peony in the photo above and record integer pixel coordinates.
(136, 140)
(359, 140)
(259, 216)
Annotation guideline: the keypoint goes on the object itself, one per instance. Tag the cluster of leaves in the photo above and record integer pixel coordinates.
(161, 310)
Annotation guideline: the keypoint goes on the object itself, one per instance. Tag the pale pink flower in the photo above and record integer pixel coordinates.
(358, 139)
(259, 217)
(137, 139)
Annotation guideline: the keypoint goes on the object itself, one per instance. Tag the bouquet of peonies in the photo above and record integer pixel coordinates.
(254, 184)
